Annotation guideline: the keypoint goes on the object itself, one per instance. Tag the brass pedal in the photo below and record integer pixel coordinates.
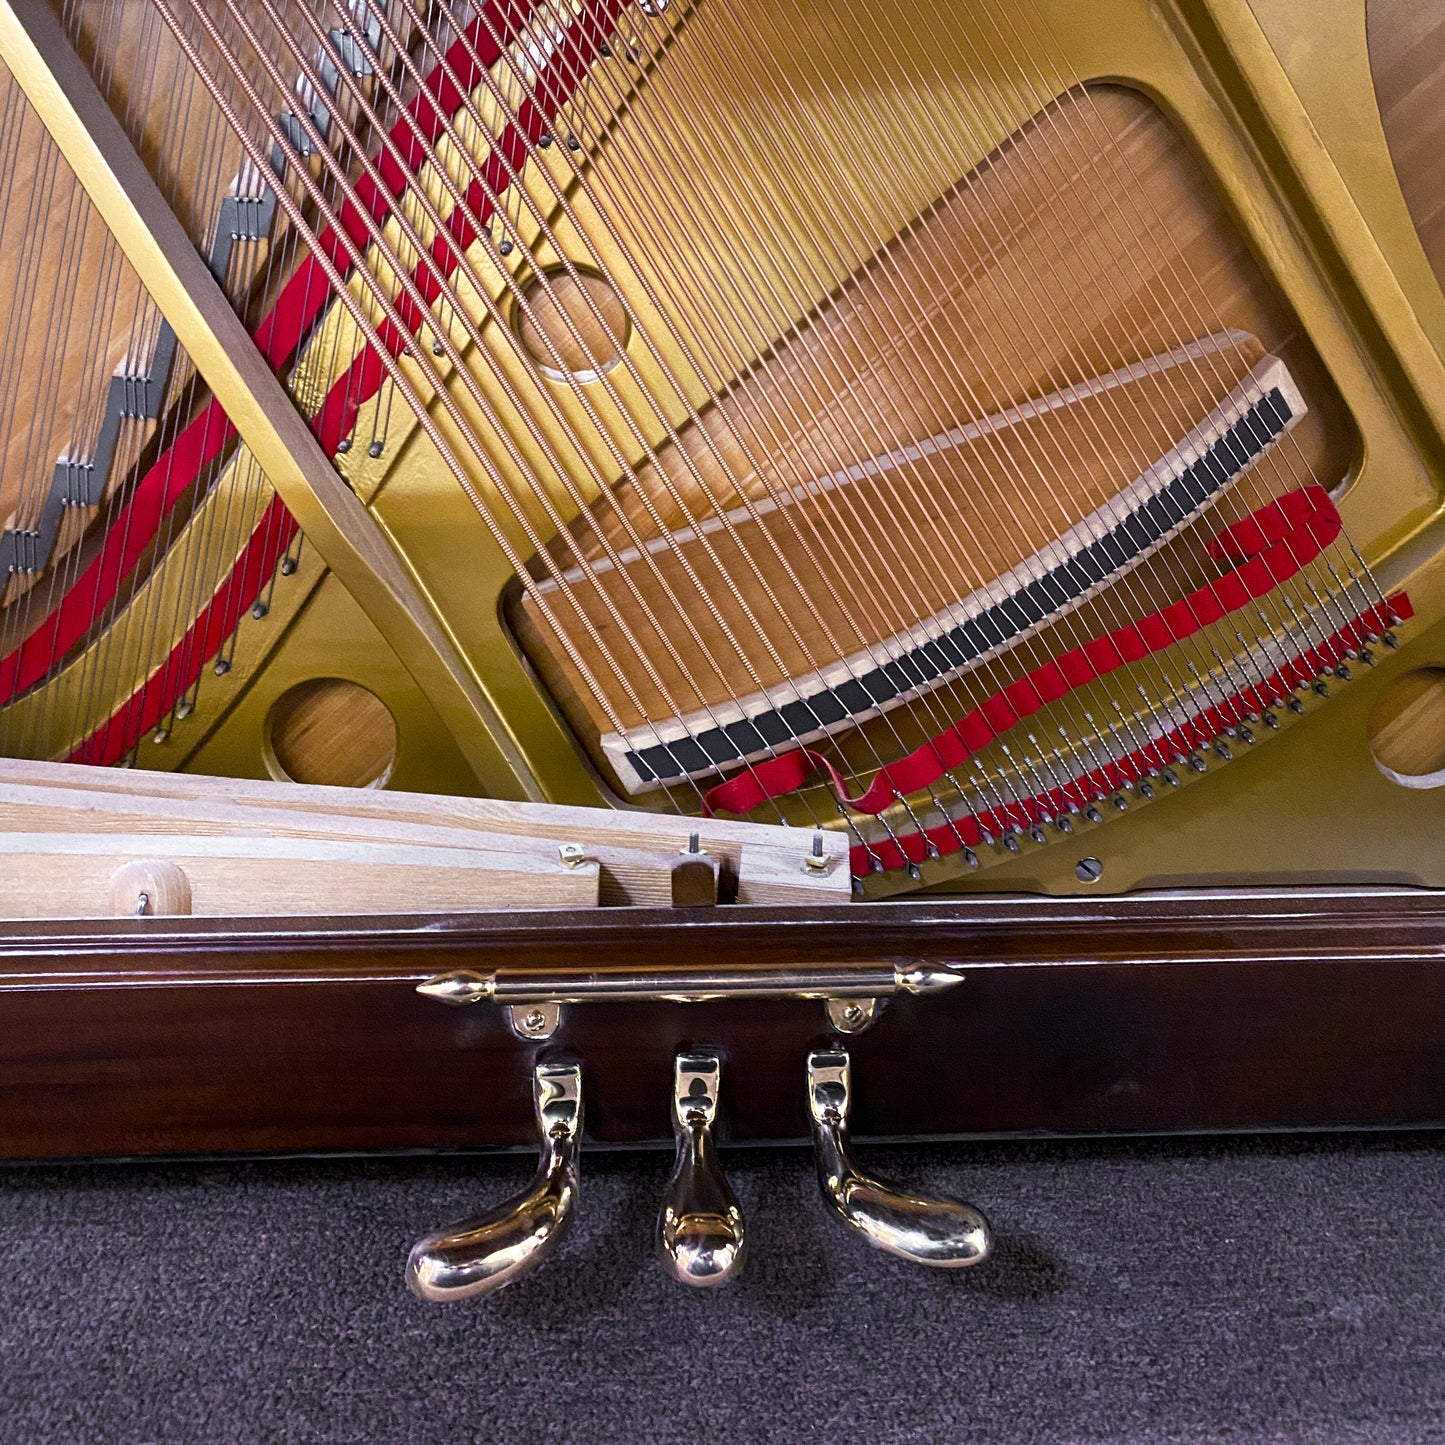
(496, 1248)
(943, 1233)
(700, 1229)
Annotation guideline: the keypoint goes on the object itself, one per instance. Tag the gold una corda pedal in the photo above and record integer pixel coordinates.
(493, 1249)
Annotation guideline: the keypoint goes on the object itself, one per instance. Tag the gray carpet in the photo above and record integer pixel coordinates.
(1233, 1290)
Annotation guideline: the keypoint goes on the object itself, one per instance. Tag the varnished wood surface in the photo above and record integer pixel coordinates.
(1233, 1011)
(1407, 58)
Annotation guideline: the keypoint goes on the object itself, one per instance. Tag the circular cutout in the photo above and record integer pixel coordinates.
(332, 733)
(573, 327)
(1407, 729)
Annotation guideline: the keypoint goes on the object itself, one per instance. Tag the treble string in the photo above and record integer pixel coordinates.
(720, 405)
(424, 203)
(1191, 291)
(545, 227)
(702, 168)
(1089, 435)
(393, 318)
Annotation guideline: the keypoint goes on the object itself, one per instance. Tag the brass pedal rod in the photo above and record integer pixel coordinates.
(853, 993)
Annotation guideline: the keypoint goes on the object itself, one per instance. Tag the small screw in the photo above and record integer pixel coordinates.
(814, 859)
(571, 855)
(535, 1021)
(1088, 870)
(853, 1013)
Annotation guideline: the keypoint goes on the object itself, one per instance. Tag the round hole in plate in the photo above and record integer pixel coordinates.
(572, 324)
(330, 732)
(1407, 729)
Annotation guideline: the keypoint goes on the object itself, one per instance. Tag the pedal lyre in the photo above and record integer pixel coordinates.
(494, 1249)
(944, 1233)
(700, 1229)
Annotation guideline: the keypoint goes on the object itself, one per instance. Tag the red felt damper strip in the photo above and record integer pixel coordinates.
(132, 528)
(1271, 545)
(917, 847)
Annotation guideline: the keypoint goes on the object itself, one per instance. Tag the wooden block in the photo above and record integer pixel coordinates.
(626, 875)
(774, 872)
(62, 875)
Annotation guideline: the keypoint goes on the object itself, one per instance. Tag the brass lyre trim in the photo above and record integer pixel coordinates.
(93, 143)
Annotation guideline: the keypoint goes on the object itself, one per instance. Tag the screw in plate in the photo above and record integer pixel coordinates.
(1088, 870)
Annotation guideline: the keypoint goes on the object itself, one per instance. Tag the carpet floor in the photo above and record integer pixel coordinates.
(1248, 1289)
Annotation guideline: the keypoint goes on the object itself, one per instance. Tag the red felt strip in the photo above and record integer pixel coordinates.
(1277, 540)
(917, 847)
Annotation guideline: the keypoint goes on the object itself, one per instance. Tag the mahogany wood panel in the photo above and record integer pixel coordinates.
(1153, 1013)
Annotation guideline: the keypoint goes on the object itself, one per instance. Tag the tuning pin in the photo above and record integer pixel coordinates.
(492, 1250)
(944, 1233)
(700, 1229)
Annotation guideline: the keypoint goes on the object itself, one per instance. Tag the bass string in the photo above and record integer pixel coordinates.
(526, 198)
(231, 579)
(119, 651)
(223, 530)
(190, 598)
(425, 204)
(359, 314)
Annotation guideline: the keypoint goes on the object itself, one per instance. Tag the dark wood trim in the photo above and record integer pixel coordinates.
(1238, 1009)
